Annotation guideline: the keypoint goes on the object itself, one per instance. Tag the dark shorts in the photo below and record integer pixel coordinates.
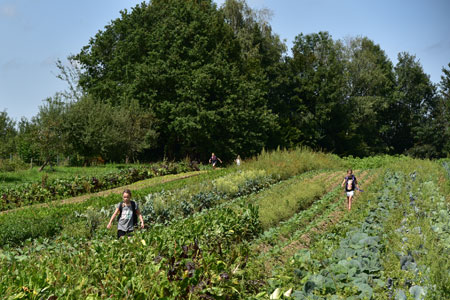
(121, 233)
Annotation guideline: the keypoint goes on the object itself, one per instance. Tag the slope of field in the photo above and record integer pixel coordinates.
(259, 232)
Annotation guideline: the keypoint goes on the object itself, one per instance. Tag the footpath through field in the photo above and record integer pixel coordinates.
(281, 247)
(118, 190)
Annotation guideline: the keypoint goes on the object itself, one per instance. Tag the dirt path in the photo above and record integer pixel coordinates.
(329, 180)
(118, 190)
(331, 219)
(332, 181)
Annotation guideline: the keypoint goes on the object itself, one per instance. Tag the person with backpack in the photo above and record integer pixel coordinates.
(128, 213)
(213, 160)
(351, 184)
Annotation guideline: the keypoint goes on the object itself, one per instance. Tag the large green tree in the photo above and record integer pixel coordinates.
(7, 135)
(182, 61)
(370, 84)
(48, 135)
(96, 129)
(432, 138)
(442, 117)
(316, 100)
(26, 146)
(414, 99)
(262, 56)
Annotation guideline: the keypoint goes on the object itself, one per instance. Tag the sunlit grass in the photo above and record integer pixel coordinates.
(282, 201)
(287, 163)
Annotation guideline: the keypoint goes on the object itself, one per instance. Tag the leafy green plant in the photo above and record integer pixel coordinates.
(352, 270)
(12, 165)
(35, 222)
(51, 189)
(373, 162)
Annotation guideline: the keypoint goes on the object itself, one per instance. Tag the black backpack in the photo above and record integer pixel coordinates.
(133, 209)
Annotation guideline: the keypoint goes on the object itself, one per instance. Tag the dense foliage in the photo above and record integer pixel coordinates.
(186, 78)
(279, 236)
(50, 189)
(77, 219)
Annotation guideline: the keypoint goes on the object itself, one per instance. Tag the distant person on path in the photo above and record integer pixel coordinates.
(351, 184)
(238, 160)
(128, 212)
(213, 160)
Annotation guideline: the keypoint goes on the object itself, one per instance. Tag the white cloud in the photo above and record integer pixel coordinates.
(8, 10)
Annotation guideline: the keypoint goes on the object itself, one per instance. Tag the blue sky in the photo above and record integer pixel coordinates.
(34, 34)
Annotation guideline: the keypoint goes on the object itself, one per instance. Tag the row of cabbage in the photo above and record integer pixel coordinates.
(417, 264)
(273, 249)
(399, 250)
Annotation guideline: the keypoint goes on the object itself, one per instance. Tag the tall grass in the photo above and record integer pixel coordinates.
(284, 164)
(282, 202)
(230, 184)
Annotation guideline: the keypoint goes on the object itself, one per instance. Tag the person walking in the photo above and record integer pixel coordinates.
(238, 160)
(350, 184)
(128, 212)
(213, 160)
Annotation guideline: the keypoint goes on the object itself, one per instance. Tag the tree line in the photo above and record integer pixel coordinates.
(177, 78)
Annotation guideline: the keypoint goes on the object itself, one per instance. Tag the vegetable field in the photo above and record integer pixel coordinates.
(276, 227)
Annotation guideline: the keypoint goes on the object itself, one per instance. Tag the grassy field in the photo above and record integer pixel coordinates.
(275, 228)
(57, 172)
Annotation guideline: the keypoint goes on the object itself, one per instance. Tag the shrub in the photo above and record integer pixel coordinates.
(13, 164)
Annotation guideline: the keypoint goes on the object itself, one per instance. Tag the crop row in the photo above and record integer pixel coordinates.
(199, 255)
(50, 189)
(351, 271)
(77, 218)
(167, 206)
(276, 245)
(417, 263)
(163, 261)
(399, 249)
(286, 228)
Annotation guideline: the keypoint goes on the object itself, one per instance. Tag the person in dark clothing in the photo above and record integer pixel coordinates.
(213, 160)
(350, 184)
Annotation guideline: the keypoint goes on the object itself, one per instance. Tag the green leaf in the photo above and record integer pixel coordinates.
(400, 295)
(417, 292)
